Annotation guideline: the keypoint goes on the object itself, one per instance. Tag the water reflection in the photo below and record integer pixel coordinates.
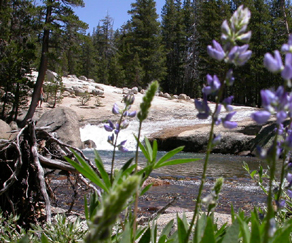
(227, 166)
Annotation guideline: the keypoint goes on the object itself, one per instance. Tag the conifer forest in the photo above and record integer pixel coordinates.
(171, 49)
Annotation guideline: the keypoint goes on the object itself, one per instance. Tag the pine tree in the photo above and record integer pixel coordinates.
(143, 38)
(17, 32)
(56, 14)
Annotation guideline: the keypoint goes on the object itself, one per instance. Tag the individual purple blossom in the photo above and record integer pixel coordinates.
(216, 51)
(245, 38)
(281, 116)
(216, 140)
(203, 108)
(287, 71)
(287, 47)
(110, 139)
(110, 127)
(227, 103)
(226, 121)
(132, 114)
(289, 193)
(273, 64)
(216, 115)
(213, 85)
(124, 124)
(281, 203)
(289, 179)
(121, 146)
(261, 117)
(239, 55)
(115, 109)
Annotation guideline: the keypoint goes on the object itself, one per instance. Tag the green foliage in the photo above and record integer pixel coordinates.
(84, 98)
(54, 89)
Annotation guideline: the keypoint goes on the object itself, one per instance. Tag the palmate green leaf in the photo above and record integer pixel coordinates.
(174, 162)
(87, 171)
(100, 167)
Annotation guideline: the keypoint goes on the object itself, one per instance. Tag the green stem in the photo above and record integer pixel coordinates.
(115, 146)
(270, 210)
(208, 152)
(137, 193)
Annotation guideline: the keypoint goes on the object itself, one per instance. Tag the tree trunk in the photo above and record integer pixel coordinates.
(42, 69)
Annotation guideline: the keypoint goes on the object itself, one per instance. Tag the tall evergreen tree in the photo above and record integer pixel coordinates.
(144, 39)
(56, 13)
(17, 32)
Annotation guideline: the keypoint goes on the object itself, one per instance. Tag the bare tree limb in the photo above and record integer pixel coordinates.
(40, 173)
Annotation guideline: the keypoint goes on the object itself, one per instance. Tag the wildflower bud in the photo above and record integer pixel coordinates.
(218, 185)
(129, 99)
(216, 51)
(115, 109)
(203, 108)
(287, 47)
(110, 139)
(273, 64)
(245, 38)
(216, 140)
(239, 55)
(125, 124)
(213, 85)
(225, 28)
(227, 123)
(226, 102)
(240, 18)
(110, 127)
(132, 114)
(261, 117)
(110, 208)
(147, 99)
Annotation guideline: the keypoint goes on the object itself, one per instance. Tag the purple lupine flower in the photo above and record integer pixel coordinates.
(287, 47)
(110, 127)
(227, 103)
(110, 139)
(267, 98)
(239, 55)
(122, 147)
(227, 123)
(116, 109)
(287, 71)
(216, 115)
(273, 64)
(216, 51)
(129, 98)
(216, 140)
(289, 179)
(245, 38)
(281, 203)
(203, 108)
(229, 78)
(261, 117)
(213, 85)
(281, 116)
(225, 28)
(132, 114)
(124, 124)
(289, 193)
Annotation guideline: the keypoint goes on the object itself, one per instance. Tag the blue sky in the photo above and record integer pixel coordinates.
(95, 10)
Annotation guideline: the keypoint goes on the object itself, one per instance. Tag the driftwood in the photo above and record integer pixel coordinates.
(24, 188)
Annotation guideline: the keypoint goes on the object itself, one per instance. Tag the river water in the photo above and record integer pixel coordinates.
(182, 181)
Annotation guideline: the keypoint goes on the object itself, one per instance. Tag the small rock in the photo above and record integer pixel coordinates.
(83, 78)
